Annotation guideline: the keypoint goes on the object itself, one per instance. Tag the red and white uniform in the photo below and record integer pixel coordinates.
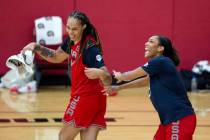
(87, 105)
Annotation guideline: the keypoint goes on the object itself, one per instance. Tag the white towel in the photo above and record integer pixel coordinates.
(48, 30)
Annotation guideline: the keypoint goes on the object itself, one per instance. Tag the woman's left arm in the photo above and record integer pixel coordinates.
(130, 75)
(101, 73)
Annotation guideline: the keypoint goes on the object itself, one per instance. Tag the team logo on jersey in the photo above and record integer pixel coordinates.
(74, 54)
(146, 64)
(73, 57)
(98, 57)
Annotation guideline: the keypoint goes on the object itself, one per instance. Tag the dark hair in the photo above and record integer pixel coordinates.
(169, 50)
(89, 30)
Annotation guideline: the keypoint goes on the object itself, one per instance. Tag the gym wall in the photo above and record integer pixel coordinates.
(124, 27)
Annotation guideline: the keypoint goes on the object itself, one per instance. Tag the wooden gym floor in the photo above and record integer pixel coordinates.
(130, 115)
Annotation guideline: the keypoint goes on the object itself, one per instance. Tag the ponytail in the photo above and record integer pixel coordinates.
(169, 50)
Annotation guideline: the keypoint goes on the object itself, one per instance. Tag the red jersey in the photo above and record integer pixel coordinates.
(81, 85)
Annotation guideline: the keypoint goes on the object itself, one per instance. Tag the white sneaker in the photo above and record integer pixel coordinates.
(28, 88)
(21, 63)
(13, 89)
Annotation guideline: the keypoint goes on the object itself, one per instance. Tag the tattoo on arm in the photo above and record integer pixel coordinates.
(37, 47)
(47, 52)
(44, 51)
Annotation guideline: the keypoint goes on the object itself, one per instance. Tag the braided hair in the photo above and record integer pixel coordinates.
(89, 30)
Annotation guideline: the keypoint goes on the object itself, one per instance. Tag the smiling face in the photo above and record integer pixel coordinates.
(152, 48)
(74, 29)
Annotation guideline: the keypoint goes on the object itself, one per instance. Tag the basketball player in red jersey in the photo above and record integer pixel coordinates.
(86, 109)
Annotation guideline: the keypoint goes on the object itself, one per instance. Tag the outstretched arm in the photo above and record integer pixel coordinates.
(101, 73)
(141, 82)
(129, 75)
(50, 55)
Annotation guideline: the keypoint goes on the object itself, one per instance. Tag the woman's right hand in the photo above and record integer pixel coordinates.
(109, 90)
(118, 76)
(30, 47)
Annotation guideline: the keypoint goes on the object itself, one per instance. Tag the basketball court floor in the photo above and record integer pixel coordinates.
(130, 115)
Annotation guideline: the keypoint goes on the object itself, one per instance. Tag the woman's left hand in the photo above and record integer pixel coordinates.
(93, 73)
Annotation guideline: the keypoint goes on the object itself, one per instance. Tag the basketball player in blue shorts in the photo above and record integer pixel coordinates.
(167, 91)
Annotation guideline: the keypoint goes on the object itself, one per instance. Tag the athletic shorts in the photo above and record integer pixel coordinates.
(183, 129)
(85, 111)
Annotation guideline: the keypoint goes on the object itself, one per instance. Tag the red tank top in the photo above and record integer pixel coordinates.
(80, 84)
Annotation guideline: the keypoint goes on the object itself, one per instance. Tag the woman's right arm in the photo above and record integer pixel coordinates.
(130, 75)
(141, 82)
(50, 55)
